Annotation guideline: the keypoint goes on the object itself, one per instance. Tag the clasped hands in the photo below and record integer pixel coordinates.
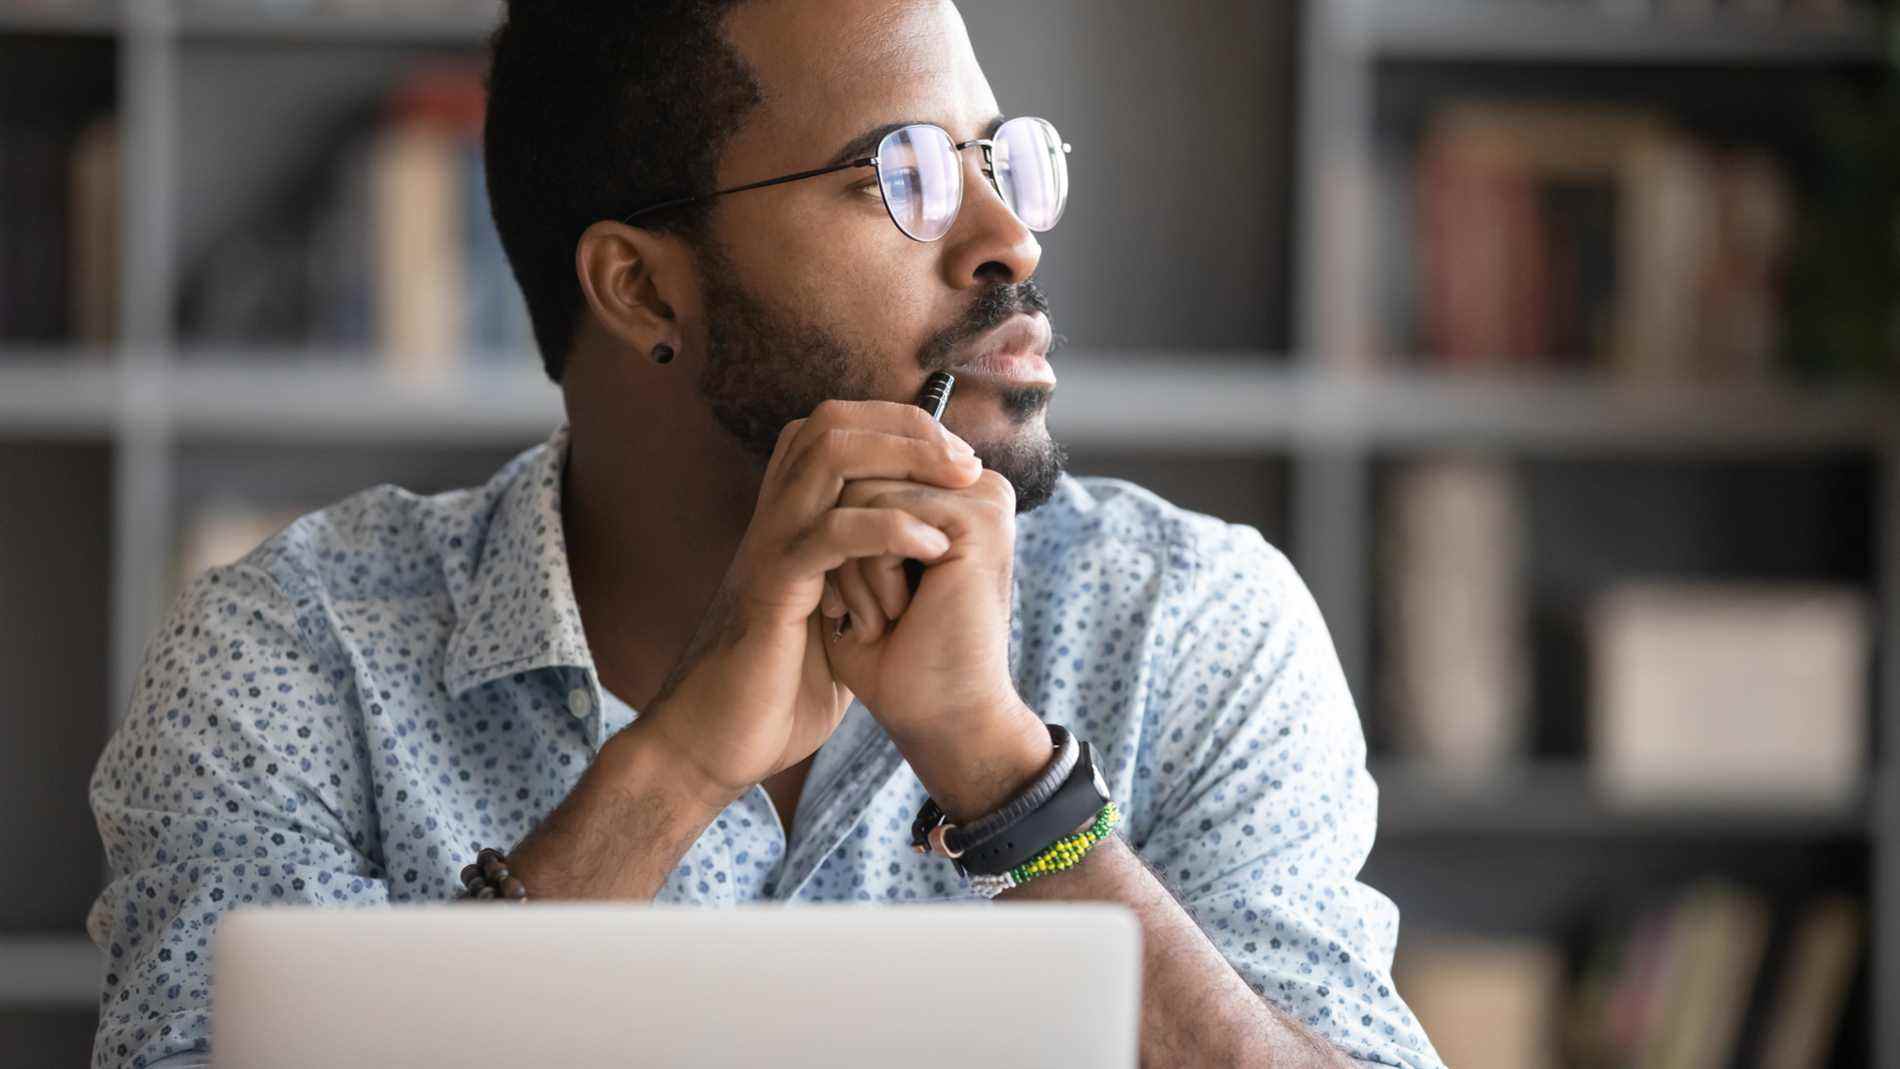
(848, 493)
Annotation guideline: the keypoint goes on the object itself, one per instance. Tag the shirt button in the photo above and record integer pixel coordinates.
(579, 703)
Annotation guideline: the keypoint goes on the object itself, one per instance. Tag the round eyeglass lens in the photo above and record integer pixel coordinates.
(1032, 172)
(920, 173)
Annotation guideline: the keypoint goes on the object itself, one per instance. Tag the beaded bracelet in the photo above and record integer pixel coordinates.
(1066, 852)
(489, 877)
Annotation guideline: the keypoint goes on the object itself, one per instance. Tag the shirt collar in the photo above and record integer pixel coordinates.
(521, 613)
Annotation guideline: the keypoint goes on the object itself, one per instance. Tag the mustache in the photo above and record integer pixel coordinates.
(992, 308)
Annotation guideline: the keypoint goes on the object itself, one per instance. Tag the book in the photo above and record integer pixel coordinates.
(1668, 985)
(1717, 938)
(1718, 693)
(1454, 612)
(1486, 1002)
(93, 237)
(419, 276)
(1812, 990)
(390, 249)
(1596, 236)
(1517, 220)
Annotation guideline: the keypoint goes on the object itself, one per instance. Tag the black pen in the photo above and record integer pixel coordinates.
(933, 398)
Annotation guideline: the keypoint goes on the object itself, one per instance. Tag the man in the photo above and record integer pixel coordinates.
(619, 659)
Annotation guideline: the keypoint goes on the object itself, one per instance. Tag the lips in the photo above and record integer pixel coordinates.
(1015, 351)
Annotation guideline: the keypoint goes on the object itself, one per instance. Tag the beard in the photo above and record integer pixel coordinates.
(766, 365)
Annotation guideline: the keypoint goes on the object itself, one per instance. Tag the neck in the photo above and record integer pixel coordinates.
(654, 502)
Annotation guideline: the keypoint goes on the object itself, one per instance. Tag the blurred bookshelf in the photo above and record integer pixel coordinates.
(221, 374)
(1640, 32)
(1611, 463)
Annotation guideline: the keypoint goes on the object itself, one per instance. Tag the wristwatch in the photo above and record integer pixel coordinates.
(1072, 807)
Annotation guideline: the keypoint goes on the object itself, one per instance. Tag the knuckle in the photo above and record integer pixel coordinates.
(831, 410)
(998, 486)
(833, 440)
(788, 435)
(896, 521)
(799, 464)
(830, 527)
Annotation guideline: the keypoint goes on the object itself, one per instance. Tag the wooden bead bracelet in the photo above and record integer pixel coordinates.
(489, 877)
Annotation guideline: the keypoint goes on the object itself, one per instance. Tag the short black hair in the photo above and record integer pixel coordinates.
(597, 108)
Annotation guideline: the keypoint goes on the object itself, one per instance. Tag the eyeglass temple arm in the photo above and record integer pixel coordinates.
(868, 161)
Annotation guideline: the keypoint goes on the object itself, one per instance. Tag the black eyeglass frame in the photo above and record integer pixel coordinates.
(987, 144)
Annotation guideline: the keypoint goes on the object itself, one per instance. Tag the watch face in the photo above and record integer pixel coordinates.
(1099, 785)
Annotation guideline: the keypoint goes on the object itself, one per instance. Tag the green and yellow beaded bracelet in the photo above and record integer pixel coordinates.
(1065, 852)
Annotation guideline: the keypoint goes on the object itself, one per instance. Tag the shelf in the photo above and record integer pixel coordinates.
(75, 395)
(347, 397)
(242, 19)
(55, 17)
(48, 972)
(425, 28)
(1559, 799)
(1232, 402)
(1253, 401)
(1581, 32)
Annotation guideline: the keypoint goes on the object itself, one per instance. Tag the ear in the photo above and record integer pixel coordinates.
(638, 283)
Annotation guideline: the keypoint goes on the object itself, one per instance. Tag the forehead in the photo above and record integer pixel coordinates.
(830, 69)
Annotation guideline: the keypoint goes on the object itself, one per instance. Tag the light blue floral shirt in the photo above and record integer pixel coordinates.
(345, 715)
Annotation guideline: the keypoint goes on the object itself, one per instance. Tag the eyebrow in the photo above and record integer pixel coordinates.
(865, 144)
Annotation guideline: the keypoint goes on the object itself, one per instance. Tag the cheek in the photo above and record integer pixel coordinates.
(877, 300)
(853, 274)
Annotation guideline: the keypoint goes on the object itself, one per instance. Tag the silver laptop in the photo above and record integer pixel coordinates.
(943, 986)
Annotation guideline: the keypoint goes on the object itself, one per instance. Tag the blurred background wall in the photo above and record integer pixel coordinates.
(1555, 340)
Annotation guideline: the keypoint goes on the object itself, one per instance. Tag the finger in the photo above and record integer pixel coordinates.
(843, 534)
(979, 513)
(831, 605)
(867, 618)
(786, 436)
(814, 477)
(888, 417)
(885, 575)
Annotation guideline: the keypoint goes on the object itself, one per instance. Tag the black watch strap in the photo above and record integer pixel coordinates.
(1064, 751)
(1068, 750)
(1074, 804)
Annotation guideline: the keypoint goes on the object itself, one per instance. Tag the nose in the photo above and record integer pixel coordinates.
(987, 244)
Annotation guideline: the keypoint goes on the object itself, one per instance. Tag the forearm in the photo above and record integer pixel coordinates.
(1196, 1010)
(619, 832)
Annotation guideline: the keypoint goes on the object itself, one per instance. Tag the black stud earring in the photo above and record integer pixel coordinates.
(662, 353)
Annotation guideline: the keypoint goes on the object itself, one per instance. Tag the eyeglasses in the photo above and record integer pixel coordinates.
(920, 174)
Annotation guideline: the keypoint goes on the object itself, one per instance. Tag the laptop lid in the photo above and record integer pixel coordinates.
(931, 986)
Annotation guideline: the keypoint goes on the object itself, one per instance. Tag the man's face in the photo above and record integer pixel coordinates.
(810, 292)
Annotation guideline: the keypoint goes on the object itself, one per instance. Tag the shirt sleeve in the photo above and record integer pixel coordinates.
(239, 775)
(1261, 811)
